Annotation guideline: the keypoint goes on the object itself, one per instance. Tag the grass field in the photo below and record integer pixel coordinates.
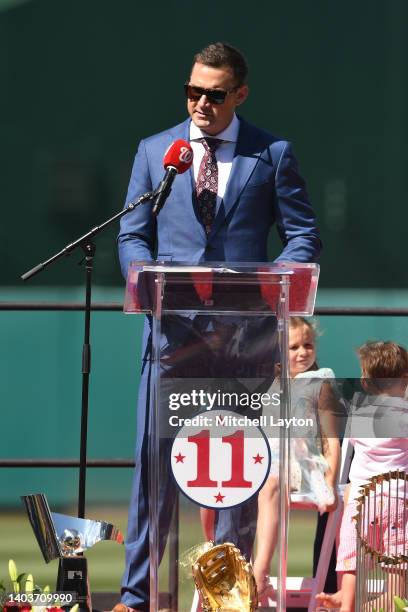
(106, 559)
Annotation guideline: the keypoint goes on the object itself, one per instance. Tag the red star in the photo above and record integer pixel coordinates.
(219, 498)
(258, 458)
(179, 458)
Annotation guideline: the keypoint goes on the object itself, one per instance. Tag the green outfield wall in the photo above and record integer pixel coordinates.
(84, 80)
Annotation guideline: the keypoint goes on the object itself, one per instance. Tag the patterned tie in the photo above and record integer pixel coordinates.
(207, 182)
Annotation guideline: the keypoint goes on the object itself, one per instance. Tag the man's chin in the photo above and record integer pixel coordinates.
(202, 121)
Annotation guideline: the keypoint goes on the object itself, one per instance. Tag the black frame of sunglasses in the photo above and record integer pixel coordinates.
(214, 96)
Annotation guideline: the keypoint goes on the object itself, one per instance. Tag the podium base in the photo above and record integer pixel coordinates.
(73, 577)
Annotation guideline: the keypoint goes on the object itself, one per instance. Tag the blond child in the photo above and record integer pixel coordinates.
(313, 395)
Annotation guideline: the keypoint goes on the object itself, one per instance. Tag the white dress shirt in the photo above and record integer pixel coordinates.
(224, 152)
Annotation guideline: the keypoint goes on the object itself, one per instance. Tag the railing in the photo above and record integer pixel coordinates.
(117, 307)
(66, 463)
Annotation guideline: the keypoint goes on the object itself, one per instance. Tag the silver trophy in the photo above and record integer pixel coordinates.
(65, 537)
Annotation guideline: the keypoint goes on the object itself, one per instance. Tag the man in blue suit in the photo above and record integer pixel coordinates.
(257, 185)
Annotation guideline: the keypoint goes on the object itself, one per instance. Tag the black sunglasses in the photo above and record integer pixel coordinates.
(214, 96)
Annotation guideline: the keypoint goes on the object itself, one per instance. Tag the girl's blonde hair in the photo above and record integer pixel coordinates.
(296, 322)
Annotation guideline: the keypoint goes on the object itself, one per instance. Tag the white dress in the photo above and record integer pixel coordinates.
(307, 463)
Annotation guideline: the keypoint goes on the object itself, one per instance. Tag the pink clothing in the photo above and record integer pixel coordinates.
(377, 416)
(385, 530)
(346, 553)
(385, 524)
(373, 456)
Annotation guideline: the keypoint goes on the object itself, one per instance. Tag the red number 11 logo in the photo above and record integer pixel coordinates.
(220, 466)
(237, 441)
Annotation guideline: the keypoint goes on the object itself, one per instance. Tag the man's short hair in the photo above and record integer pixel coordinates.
(221, 54)
(382, 361)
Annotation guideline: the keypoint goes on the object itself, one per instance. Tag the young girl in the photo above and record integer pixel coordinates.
(312, 396)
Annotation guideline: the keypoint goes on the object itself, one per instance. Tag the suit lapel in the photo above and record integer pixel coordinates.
(246, 156)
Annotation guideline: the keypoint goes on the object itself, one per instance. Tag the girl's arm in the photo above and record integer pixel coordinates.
(328, 408)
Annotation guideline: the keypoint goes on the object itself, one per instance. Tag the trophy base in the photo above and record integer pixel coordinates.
(73, 577)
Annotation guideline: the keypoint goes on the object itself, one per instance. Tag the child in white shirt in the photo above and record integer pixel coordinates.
(384, 367)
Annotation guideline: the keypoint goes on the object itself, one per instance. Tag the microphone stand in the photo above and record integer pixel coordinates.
(86, 243)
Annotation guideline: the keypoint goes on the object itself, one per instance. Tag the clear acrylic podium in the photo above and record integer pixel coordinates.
(219, 332)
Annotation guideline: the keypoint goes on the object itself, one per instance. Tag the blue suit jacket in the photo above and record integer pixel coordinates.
(264, 188)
